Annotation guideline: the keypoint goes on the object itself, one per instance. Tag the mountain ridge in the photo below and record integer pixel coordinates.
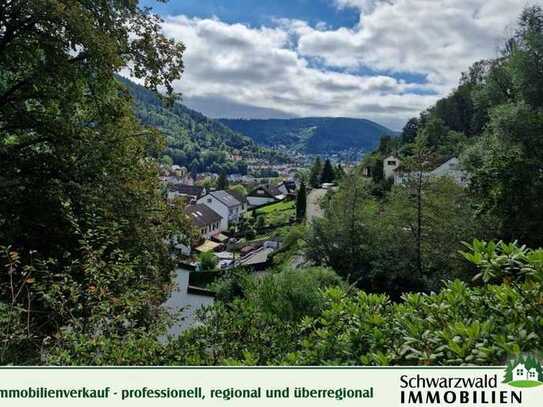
(194, 140)
(313, 134)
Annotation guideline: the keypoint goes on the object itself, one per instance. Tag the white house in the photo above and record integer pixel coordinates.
(390, 165)
(452, 169)
(228, 207)
(520, 372)
(205, 220)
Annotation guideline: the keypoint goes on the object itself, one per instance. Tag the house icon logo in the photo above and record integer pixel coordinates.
(524, 372)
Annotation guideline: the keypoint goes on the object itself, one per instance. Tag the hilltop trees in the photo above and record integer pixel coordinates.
(506, 162)
(82, 221)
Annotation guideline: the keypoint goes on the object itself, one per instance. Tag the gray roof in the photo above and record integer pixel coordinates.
(238, 196)
(200, 215)
(189, 190)
(225, 198)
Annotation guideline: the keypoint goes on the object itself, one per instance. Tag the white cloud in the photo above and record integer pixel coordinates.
(274, 69)
(440, 38)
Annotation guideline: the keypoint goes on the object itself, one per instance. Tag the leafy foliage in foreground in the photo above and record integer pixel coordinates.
(82, 217)
(308, 317)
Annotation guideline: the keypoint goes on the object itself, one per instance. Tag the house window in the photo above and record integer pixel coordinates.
(532, 375)
(519, 372)
(209, 200)
(391, 163)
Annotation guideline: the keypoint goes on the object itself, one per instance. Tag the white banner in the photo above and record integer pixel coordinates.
(201, 387)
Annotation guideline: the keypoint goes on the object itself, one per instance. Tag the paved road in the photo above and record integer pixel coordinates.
(313, 204)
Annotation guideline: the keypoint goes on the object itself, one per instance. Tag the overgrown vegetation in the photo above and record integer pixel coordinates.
(82, 219)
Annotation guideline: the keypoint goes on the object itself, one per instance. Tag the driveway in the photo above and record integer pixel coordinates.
(314, 209)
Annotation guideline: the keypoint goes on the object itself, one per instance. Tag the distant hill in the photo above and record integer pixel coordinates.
(312, 135)
(194, 140)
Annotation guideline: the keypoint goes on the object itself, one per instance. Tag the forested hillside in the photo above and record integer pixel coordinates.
(313, 135)
(193, 140)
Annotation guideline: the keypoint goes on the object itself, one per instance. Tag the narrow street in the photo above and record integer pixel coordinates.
(313, 204)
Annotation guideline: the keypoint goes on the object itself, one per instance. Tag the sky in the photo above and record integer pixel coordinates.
(383, 60)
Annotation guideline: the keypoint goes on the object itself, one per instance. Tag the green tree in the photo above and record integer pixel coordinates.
(208, 261)
(260, 223)
(166, 160)
(80, 202)
(327, 174)
(337, 239)
(339, 172)
(409, 132)
(315, 173)
(301, 202)
(222, 182)
(239, 190)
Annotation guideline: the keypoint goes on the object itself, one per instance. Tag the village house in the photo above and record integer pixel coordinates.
(450, 169)
(228, 207)
(205, 220)
(287, 187)
(241, 198)
(191, 192)
(390, 165)
(263, 195)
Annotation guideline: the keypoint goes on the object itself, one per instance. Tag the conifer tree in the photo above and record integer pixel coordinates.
(301, 202)
(315, 174)
(327, 174)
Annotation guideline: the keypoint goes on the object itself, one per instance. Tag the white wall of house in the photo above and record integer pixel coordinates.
(209, 231)
(234, 214)
(390, 164)
(211, 202)
(452, 170)
(283, 188)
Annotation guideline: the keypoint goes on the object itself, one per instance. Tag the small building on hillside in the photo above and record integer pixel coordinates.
(390, 165)
(228, 207)
(263, 195)
(451, 168)
(241, 198)
(288, 187)
(191, 192)
(205, 220)
(260, 196)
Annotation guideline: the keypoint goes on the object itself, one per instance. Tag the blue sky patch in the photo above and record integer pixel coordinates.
(256, 13)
